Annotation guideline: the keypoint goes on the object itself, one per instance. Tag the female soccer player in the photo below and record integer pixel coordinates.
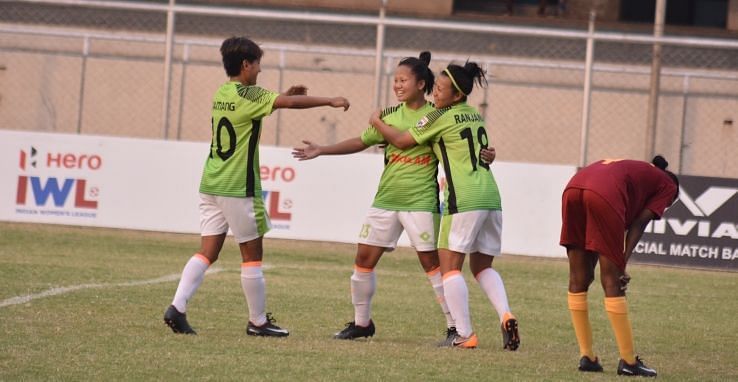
(230, 189)
(606, 204)
(472, 216)
(407, 197)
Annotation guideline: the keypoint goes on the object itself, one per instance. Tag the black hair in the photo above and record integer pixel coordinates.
(419, 67)
(465, 76)
(235, 50)
(661, 163)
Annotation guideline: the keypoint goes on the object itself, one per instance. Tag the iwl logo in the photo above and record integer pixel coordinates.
(28, 158)
(279, 208)
(43, 189)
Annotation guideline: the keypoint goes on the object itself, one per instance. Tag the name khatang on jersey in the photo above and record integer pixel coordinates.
(218, 105)
(463, 118)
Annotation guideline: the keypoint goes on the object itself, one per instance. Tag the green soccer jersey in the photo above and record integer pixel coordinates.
(409, 180)
(232, 167)
(458, 135)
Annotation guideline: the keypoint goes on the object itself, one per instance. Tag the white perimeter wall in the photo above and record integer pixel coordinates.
(152, 185)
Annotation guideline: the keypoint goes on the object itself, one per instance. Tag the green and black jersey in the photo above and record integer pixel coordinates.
(409, 180)
(457, 133)
(232, 167)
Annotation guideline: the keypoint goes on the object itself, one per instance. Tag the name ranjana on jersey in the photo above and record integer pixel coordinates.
(463, 118)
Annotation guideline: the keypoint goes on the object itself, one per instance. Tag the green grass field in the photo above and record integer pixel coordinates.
(685, 322)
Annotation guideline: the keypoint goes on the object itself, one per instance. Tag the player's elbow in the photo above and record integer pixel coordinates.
(404, 141)
(285, 102)
(403, 145)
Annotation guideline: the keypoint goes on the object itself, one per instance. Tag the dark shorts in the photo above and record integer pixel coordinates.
(590, 223)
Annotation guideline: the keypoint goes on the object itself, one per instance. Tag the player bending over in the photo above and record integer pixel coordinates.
(606, 204)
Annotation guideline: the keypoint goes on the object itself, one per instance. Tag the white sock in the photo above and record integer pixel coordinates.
(254, 289)
(457, 298)
(363, 285)
(192, 276)
(436, 281)
(492, 285)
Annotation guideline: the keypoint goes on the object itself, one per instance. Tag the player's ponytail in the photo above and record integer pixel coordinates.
(420, 68)
(661, 163)
(463, 77)
(425, 56)
(475, 72)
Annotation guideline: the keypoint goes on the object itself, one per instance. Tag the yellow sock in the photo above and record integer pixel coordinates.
(580, 320)
(617, 312)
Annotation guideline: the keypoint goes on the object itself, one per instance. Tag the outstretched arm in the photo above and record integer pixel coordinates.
(306, 102)
(349, 146)
(400, 139)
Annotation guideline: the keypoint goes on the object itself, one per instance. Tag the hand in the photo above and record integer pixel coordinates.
(306, 153)
(340, 102)
(488, 155)
(624, 280)
(296, 90)
(375, 117)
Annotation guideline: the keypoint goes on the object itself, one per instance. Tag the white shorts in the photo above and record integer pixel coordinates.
(472, 231)
(246, 217)
(382, 228)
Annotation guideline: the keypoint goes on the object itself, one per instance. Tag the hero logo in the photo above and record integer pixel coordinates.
(59, 190)
(32, 159)
(703, 206)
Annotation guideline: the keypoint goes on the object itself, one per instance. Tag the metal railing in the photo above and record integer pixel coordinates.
(178, 52)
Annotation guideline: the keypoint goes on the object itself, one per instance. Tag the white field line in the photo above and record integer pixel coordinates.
(68, 289)
(174, 277)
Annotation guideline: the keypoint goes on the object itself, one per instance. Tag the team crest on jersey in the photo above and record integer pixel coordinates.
(431, 117)
(423, 121)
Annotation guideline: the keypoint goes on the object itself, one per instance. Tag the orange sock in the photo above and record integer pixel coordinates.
(617, 312)
(580, 320)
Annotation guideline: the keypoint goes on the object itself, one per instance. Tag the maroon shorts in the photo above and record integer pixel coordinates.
(589, 222)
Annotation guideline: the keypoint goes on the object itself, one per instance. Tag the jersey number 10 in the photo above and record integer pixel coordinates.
(223, 123)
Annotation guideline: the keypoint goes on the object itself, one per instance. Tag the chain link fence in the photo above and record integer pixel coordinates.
(94, 70)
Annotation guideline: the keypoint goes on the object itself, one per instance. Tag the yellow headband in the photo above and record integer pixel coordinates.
(453, 81)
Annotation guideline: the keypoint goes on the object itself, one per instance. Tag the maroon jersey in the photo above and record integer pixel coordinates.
(628, 186)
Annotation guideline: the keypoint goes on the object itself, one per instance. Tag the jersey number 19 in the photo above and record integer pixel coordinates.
(483, 142)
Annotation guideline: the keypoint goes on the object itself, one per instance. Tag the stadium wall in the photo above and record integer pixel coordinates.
(152, 185)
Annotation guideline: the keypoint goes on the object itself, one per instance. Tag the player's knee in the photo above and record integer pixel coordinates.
(577, 287)
(477, 269)
(429, 264)
(211, 257)
(580, 282)
(611, 286)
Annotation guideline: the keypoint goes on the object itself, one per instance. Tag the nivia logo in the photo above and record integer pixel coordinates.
(709, 218)
(707, 203)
